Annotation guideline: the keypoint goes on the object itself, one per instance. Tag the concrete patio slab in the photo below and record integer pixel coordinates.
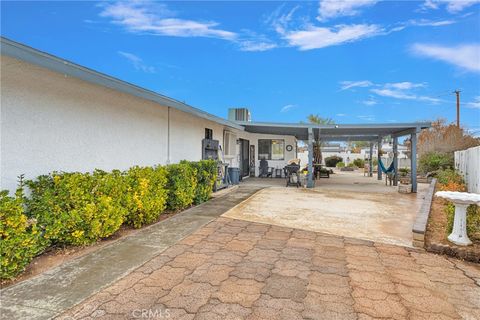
(358, 210)
(48, 294)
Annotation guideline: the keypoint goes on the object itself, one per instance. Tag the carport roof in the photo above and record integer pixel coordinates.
(337, 132)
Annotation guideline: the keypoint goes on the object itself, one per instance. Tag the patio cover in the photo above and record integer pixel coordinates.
(347, 132)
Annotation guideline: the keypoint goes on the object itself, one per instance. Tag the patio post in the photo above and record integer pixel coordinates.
(370, 161)
(379, 150)
(310, 181)
(395, 160)
(413, 160)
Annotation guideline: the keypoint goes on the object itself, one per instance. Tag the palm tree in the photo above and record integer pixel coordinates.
(317, 152)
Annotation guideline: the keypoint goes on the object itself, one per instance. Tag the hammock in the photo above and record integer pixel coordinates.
(391, 168)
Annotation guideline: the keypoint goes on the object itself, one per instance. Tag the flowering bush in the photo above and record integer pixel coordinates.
(81, 208)
(206, 177)
(19, 236)
(146, 194)
(77, 208)
(450, 180)
(182, 185)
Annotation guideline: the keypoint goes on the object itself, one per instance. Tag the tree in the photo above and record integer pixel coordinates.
(437, 145)
(445, 138)
(357, 146)
(317, 152)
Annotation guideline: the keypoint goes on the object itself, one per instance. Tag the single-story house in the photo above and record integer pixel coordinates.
(59, 116)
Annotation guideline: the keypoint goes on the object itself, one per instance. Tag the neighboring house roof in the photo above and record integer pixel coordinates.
(36, 57)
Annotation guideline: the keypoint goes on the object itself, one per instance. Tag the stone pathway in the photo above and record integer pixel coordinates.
(59, 289)
(233, 269)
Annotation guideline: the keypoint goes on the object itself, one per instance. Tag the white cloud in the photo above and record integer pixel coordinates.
(156, 19)
(147, 17)
(367, 117)
(369, 102)
(430, 23)
(405, 85)
(345, 85)
(402, 94)
(452, 6)
(341, 114)
(249, 45)
(475, 104)
(465, 56)
(337, 8)
(137, 62)
(321, 37)
(288, 107)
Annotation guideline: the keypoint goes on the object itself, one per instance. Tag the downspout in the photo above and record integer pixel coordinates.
(168, 135)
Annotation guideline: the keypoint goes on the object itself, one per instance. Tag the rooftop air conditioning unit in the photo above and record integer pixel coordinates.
(239, 114)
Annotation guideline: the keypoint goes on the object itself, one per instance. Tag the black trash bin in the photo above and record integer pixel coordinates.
(234, 174)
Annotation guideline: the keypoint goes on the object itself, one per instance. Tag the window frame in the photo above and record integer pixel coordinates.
(261, 154)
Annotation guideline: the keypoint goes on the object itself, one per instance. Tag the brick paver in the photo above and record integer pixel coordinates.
(233, 269)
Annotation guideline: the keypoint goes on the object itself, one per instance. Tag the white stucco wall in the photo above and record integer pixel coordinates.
(53, 122)
(253, 140)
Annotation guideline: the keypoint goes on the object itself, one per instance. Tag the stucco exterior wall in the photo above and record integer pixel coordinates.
(53, 122)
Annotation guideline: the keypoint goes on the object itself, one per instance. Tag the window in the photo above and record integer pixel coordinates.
(230, 143)
(208, 133)
(271, 149)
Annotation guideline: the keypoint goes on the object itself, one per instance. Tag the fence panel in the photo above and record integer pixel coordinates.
(467, 162)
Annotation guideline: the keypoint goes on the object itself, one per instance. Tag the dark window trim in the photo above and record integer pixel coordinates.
(269, 157)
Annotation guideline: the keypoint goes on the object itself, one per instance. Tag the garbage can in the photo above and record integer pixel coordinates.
(234, 174)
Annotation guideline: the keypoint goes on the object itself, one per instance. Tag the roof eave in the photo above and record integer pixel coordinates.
(42, 59)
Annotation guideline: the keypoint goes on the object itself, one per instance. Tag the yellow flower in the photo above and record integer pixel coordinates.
(77, 233)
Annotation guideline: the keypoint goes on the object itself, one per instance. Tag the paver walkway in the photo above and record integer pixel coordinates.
(59, 289)
(234, 269)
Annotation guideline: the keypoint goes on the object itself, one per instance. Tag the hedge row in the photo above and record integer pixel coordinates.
(81, 208)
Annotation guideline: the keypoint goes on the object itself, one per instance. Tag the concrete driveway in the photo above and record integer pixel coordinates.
(353, 210)
(234, 269)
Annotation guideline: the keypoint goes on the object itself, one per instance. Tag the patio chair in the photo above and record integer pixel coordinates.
(264, 170)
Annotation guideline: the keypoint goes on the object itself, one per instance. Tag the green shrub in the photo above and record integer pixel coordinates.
(146, 195)
(340, 164)
(360, 163)
(449, 175)
(403, 172)
(434, 161)
(332, 161)
(351, 165)
(473, 220)
(182, 185)
(206, 176)
(77, 208)
(19, 236)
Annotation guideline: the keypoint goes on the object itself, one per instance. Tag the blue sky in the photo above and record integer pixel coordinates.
(354, 61)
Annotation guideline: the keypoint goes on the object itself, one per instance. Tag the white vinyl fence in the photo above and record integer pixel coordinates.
(467, 162)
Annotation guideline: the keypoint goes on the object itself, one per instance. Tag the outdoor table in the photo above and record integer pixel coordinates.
(461, 200)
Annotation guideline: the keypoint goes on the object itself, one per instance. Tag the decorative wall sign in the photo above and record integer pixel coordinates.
(289, 147)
